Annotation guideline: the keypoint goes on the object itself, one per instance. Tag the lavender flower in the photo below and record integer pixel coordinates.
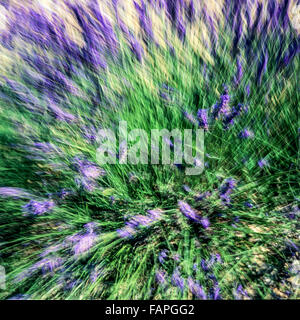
(14, 193)
(173, 8)
(126, 232)
(48, 264)
(161, 277)
(187, 210)
(216, 294)
(90, 227)
(162, 256)
(181, 31)
(176, 257)
(202, 196)
(239, 293)
(205, 222)
(262, 68)
(239, 72)
(226, 189)
(38, 208)
(204, 265)
(136, 48)
(177, 280)
(248, 204)
(229, 119)
(196, 289)
(85, 243)
(263, 163)
(190, 118)
(246, 134)
(141, 220)
(155, 214)
(61, 114)
(203, 119)
(145, 21)
(88, 185)
(190, 11)
(248, 90)
(89, 170)
(186, 188)
(223, 106)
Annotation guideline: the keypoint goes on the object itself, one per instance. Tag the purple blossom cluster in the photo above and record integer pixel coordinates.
(16, 193)
(37, 208)
(191, 214)
(162, 256)
(132, 226)
(89, 173)
(240, 293)
(196, 289)
(161, 277)
(221, 108)
(226, 190)
(246, 134)
(177, 280)
(203, 118)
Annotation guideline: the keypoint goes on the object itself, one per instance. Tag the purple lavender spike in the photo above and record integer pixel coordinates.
(88, 169)
(126, 232)
(263, 163)
(161, 277)
(145, 22)
(181, 31)
(190, 117)
(226, 189)
(246, 134)
(223, 106)
(176, 257)
(186, 209)
(191, 12)
(87, 184)
(239, 72)
(16, 193)
(262, 68)
(136, 48)
(155, 214)
(48, 264)
(284, 13)
(85, 243)
(229, 119)
(272, 10)
(292, 51)
(105, 27)
(217, 295)
(203, 118)
(205, 222)
(196, 289)
(177, 280)
(61, 114)
(186, 188)
(239, 293)
(38, 208)
(204, 265)
(202, 196)
(162, 256)
(172, 8)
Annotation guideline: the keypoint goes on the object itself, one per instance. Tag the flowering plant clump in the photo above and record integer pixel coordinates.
(73, 227)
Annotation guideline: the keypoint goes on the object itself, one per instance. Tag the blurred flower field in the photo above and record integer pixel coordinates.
(71, 228)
